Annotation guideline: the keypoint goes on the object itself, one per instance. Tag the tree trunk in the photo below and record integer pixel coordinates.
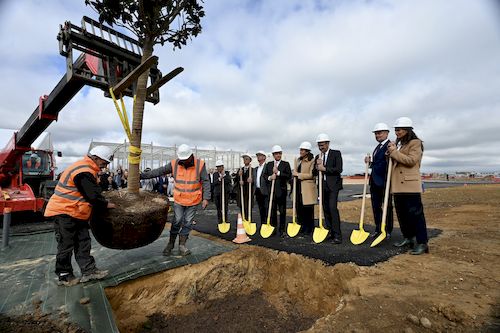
(138, 112)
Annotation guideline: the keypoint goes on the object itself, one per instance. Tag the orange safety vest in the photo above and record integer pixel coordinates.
(66, 198)
(187, 183)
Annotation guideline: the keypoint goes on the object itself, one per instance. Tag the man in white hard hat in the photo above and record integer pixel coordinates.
(192, 187)
(261, 191)
(279, 171)
(221, 176)
(245, 180)
(329, 162)
(76, 195)
(378, 178)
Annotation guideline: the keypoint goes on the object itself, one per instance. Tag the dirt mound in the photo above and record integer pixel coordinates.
(288, 283)
(136, 221)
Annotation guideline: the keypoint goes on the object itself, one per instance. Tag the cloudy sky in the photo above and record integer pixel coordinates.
(282, 71)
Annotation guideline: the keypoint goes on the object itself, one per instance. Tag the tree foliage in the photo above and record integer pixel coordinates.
(159, 21)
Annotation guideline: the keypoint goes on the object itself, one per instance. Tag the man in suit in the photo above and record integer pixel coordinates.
(329, 162)
(261, 194)
(245, 181)
(279, 171)
(219, 177)
(378, 179)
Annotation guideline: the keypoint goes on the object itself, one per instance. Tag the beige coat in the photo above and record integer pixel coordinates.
(308, 182)
(406, 161)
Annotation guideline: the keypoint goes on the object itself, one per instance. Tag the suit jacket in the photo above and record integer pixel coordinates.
(263, 180)
(379, 164)
(333, 170)
(281, 182)
(218, 184)
(405, 176)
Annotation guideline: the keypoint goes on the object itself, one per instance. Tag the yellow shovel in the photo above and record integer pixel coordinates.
(359, 236)
(267, 229)
(320, 232)
(293, 228)
(224, 226)
(250, 228)
(382, 235)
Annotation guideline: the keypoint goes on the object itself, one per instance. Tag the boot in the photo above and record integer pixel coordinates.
(182, 246)
(404, 242)
(420, 249)
(170, 246)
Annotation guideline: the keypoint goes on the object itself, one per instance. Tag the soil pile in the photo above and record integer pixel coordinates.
(136, 221)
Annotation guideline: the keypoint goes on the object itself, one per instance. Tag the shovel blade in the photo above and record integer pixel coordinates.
(319, 234)
(224, 227)
(266, 230)
(379, 239)
(250, 228)
(359, 236)
(292, 229)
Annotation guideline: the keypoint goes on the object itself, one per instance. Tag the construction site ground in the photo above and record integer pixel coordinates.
(265, 286)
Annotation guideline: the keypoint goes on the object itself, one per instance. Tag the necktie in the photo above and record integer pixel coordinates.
(377, 149)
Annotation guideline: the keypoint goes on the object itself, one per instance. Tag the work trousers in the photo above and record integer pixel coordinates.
(262, 202)
(279, 204)
(183, 223)
(377, 198)
(72, 235)
(410, 212)
(305, 213)
(332, 215)
(218, 205)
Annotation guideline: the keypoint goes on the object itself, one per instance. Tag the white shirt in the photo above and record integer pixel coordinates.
(260, 168)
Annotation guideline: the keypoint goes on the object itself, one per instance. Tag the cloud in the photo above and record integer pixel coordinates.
(280, 72)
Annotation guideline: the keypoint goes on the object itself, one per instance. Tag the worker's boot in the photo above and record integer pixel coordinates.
(170, 246)
(182, 246)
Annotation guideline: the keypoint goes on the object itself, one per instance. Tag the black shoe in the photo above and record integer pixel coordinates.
(420, 249)
(337, 240)
(375, 234)
(387, 236)
(67, 279)
(404, 242)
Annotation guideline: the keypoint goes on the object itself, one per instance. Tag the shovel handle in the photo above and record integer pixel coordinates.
(294, 193)
(363, 202)
(271, 195)
(321, 200)
(250, 195)
(386, 194)
(223, 203)
(242, 202)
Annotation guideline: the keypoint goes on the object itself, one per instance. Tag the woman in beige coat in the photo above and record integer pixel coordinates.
(306, 192)
(406, 186)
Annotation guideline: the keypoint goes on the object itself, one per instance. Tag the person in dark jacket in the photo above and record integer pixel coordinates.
(261, 194)
(219, 177)
(378, 162)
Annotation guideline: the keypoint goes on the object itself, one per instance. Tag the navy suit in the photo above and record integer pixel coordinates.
(261, 194)
(331, 188)
(218, 194)
(378, 178)
(280, 191)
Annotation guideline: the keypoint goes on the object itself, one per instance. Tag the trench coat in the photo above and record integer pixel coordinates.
(309, 190)
(406, 161)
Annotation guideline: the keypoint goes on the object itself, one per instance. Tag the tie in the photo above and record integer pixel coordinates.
(377, 149)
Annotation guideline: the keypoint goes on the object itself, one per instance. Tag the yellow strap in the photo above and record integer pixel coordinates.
(122, 113)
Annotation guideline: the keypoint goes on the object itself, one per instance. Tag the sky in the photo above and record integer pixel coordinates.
(281, 72)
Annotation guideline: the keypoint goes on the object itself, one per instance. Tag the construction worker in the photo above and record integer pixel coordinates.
(378, 178)
(280, 172)
(75, 196)
(221, 176)
(192, 186)
(329, 162)
(406, 186)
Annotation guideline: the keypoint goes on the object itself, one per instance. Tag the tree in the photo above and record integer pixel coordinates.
(151, 21)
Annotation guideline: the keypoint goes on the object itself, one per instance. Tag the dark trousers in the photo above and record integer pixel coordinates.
(279, 204)
(262, 202)
(377, 198)
(305, 214)
(72, 235)
(331, 212)
(218, 204)
(410, 212)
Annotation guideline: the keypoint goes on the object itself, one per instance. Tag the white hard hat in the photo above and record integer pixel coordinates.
(380, 127)
(305, 145)
(183, 152)
(260, 152)
(219, 163)
(322, 138)
(403, 122)
(276, 149)
(246, 155)
(103, 152)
